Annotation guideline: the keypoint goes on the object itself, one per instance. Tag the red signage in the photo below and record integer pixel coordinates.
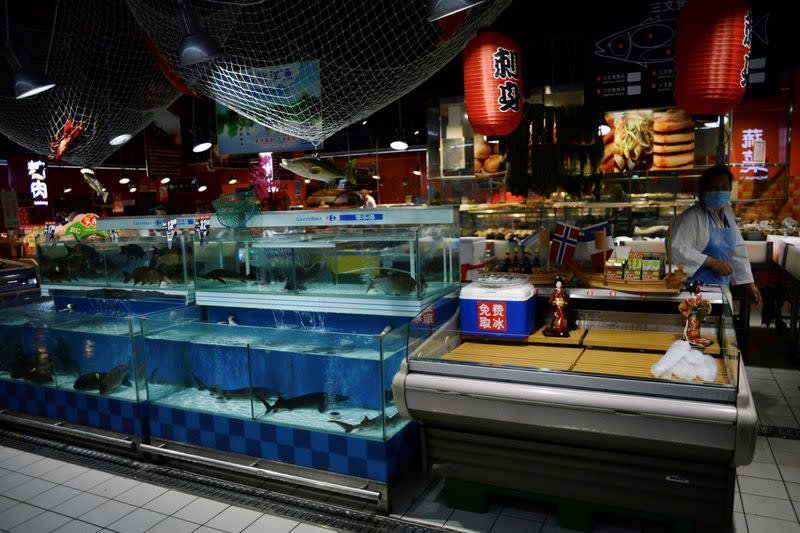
(758, 137)
(492, 316)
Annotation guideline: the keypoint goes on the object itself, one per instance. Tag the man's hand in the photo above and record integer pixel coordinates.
(754, 293)
(722, 268)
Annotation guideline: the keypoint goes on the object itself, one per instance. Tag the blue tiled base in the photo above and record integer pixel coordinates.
(99, 412)
(380, 461)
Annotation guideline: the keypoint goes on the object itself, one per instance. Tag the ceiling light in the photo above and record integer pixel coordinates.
(124, 180)
(132, 189)
(444, 8)
(164, 181)
(27, 81)
(201, 135)
(417, 171)
(416, 132)
(67, 189)
(376, 177)
(399, 144)
(103, 189)
(120, 139)
(466, 116)
(548, 89)
(307, 181)
(201, 147)
(202, 188)
(232, 181)
(363, 122)
(197, 45)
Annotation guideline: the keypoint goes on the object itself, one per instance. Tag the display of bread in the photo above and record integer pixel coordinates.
(673, 140)
(488, 160)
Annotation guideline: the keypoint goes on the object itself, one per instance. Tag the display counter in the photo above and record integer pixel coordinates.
(583, 418)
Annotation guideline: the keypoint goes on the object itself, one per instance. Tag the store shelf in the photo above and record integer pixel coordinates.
(630, 364)
(529, 356)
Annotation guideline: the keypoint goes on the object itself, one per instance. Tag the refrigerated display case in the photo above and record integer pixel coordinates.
(583, 418)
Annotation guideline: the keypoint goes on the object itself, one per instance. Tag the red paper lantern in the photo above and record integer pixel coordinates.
(711, 61)
(493, 84)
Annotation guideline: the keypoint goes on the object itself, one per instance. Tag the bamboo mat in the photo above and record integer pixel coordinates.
(657, 341)
(574, 339)
(629, 364)
(523, 355)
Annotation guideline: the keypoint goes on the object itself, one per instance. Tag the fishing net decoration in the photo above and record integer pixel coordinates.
(311, 68)
(236, 209)
(107, 83)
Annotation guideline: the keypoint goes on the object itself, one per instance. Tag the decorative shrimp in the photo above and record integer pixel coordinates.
(61, 142)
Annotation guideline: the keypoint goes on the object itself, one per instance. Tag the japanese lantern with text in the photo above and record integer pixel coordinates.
(711, 61)
(493, 84)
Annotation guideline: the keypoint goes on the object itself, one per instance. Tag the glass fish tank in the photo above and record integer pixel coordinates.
(142, 263)
(319, 378)
(369, 265)
(65, 349)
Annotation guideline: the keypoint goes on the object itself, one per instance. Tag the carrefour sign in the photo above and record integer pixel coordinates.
(37, 170)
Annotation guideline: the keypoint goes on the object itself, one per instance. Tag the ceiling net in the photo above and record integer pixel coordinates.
(107, 83)
(312, 68)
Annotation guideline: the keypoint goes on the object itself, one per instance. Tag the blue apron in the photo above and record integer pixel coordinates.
(721, 245)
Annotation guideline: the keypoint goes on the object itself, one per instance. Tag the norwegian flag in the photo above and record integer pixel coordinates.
(593, 248)
(564, 241)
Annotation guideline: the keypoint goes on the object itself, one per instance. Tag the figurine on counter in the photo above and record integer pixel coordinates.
(694, 309)
(559, 299)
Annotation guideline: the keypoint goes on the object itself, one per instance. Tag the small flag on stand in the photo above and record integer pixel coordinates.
(598, 249)
(564, 241)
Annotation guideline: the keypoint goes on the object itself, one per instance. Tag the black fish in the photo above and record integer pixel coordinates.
(132, 251)
(114, 378)
(57, 273)
(85, 252)
(314, 399)
(165, 258)
(89, 381)
(200, 384)
(367, 422)
(144, 275)
(152, 377)
(396, 283)
(221, 275)
(243, 393)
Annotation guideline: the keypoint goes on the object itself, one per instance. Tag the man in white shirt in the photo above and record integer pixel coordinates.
(369, 201)
(706, 239)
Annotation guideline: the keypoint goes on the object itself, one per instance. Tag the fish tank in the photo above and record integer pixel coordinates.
(96, 354)
(324, 379)
(353, 260)
(125, 263)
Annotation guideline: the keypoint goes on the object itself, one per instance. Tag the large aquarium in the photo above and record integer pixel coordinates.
(65, 349)
(135, 262)
(356, 256)
(298, 372)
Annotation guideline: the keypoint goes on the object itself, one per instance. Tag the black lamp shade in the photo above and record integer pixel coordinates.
(28, 82)
(198, 48)
(444, 8)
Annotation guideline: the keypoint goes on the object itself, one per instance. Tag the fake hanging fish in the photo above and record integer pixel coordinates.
(94, 183)
(314, 168)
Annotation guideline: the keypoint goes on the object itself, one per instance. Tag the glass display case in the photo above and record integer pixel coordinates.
(386, 261)
(136, 263)
(77, 352)
(318, 379)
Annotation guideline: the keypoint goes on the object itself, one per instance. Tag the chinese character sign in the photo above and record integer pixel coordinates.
(493, 84)
(492, 316)
(37, 170)
(759, 138)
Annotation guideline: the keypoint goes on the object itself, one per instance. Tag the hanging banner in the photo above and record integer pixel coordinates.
(162, 141)
(758, 137)
(237, 134)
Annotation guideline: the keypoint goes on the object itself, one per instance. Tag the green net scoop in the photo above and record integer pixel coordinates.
(235, 210)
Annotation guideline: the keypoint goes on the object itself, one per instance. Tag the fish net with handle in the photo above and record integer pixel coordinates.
(311, 68)
(235, 210)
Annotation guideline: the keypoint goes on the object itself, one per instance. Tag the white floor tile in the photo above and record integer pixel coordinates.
(511, 524)
(428, 512)
(80, 504)
(201, 510)
(551, 526)
(310, 528)
(55, 496)
(770, 507)
(206, 529)
(40, 468)
(527, 511)
(790, 473)
(762, 487)
(114, 487)
(271, 524)
(141, 494)
(173, 525)
(43, 523)
(473, 522)
(5, 503)
(763, 453)
(29, 489)
(20, 460)
(107, 513)
(763, 470)
(794, 491)
(787, 457)
(739, 523)
(76, 526)
(138, 521)
(170, 502)
(234, 519)
(22, 512)
(11, 480)
(762, 524)
(65, 473)
(88, 480)
(737, 503)
(7, 453)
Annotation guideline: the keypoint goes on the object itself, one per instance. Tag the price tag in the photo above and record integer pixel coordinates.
(612, 293)
(169, 228)
(589, 292)
(201, 225)
(49, 231)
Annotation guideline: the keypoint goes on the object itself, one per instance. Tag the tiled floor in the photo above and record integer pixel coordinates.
(39, 495)
(776, 393)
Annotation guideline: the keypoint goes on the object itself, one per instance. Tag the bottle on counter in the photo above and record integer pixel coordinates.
(527, 268)
(488, 253)
(516, 266)
(536, 263)
(505, 265)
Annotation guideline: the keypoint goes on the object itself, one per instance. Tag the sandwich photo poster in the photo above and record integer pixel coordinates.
(648, 139)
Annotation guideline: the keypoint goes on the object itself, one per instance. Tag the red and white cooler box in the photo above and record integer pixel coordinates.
(506, 312)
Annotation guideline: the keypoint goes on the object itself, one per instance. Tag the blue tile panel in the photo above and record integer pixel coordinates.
(99, 412)
(380, 461)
